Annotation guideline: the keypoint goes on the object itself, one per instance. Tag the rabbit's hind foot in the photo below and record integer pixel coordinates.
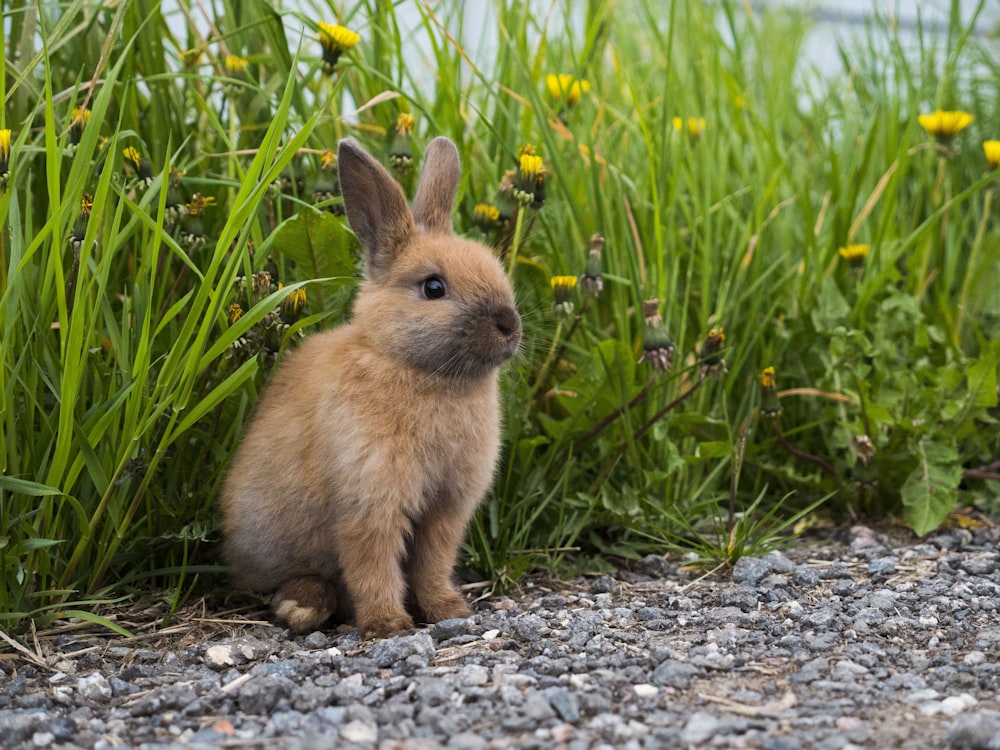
(305, 603)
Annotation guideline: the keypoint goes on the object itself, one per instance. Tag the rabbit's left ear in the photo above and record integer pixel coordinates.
(437, 187)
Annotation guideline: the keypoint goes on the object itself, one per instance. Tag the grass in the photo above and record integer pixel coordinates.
(135, 335)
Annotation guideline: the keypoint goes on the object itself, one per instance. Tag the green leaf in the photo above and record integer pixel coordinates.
(319, 244)
(24, 487)
(982, 379)
(931, 489)
(714, 449)
(831, 308)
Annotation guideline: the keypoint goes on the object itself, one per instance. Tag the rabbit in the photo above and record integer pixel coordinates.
(374, 442)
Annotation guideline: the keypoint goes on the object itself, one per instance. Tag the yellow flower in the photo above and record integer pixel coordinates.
(854, 254)
(80, 116)
(292, 304)
(712, 362)
(404, 123)
(335, 39)
(530, 165)
(562, 285)
(529, 182)
(140, 164)
(562, 290)
(4, 157)
(486, 216)
(234, 313)
(199, 203)
(770, 406)
(992, 151)
(235, 65)
(327, 160)
(694, 125)
(945, 125)
(564, 86)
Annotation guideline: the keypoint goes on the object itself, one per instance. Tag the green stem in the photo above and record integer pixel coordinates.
(516, 242)
(802, 454)
(648, 425)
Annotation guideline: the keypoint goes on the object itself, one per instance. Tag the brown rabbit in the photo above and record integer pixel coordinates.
(375, 441)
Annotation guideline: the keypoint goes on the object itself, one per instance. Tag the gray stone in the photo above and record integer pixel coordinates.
(700, 728)
(447, 629)
(565, 702)
(94, 687)
(882, 566)
(260, 695)
(387, 652)
(674, 673)
(979, 730)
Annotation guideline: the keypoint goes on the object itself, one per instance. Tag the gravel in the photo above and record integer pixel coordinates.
(857, 643)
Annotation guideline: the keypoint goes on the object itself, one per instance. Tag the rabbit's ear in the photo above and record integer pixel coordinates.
(438, 183)
(375, 206)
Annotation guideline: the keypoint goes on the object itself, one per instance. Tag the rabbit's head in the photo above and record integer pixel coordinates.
(433, 301)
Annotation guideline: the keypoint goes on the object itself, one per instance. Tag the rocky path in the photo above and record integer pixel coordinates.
(860, 643)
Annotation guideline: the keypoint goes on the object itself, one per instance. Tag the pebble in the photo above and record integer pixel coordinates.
(877, 646)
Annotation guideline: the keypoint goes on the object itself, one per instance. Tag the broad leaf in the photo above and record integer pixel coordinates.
(931, 489)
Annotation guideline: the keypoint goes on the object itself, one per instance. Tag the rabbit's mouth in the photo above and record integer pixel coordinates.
(480, 341)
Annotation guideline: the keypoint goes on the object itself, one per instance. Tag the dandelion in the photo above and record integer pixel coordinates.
(564, 87)
(236, 73)
(234, 312)
(4, 158)
(770, 405)
(945, 125)
(592, 281)
(261, 284)
(335, 39)
(506, 202)
(199, 203)
(193, 233)
(77, 122)
(657, 346)
(486, 216)
(401, 150)
(712, 362)
(292, 305)
(854, 254)
(562, 290)
(327, 187)
(529, 182)
(992, 151)
(79, 231)
(176, 207)
(235, 65)
(694, 125)
(140, 165)
(865, 473)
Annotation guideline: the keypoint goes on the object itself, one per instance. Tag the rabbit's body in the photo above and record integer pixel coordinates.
(374, 442)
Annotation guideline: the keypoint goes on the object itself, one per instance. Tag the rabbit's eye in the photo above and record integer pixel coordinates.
(434, 288)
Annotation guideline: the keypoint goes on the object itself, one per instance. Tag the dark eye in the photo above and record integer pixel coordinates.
(434, 288)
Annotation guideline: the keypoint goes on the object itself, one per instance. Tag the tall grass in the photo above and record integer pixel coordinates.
(128, 374)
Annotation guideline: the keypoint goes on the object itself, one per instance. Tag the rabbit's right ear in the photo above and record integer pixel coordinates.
(375, 205)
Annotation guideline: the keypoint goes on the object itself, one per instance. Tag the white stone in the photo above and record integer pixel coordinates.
(645, 690)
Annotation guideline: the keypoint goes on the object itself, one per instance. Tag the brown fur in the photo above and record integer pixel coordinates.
(375, 441)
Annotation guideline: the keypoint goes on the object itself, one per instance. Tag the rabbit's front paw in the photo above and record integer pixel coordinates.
(384, 625)
(442, 605)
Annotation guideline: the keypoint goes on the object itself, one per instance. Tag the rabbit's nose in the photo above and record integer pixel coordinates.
(508, 322)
